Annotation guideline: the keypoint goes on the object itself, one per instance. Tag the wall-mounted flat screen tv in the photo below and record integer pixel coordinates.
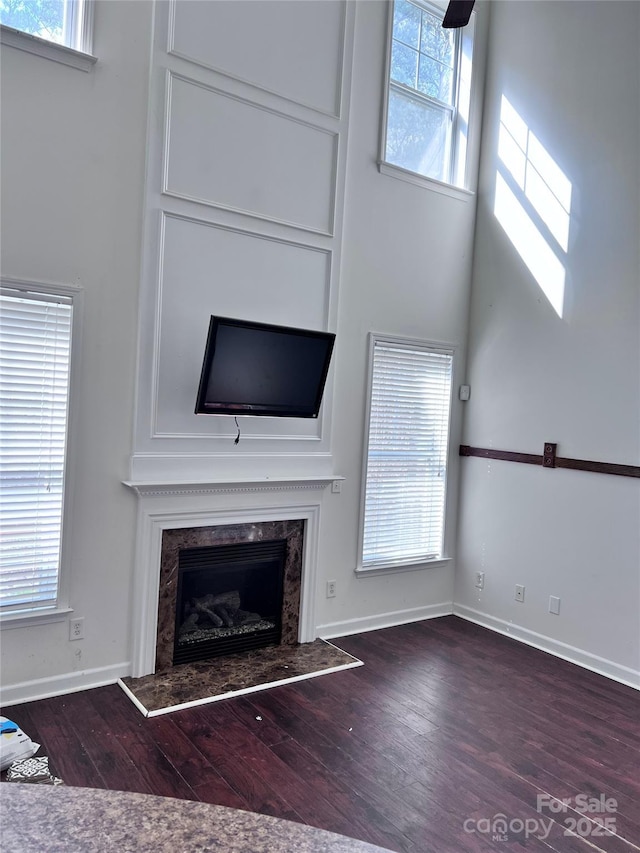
(261, 369)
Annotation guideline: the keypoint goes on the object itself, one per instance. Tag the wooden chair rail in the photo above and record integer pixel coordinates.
(548, 459)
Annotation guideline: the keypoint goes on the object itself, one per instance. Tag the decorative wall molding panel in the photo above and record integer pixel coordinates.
(227, 152)
(307, 37)
(210, 269)
(247, 145)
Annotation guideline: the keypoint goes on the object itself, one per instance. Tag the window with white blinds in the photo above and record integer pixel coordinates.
(35, 342)
(406, 460)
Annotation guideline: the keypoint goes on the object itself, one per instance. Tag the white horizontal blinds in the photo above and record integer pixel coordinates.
(407, 454)
(35, 338)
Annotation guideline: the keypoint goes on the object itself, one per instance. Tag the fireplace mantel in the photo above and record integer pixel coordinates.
(153, 488)
(175, 504)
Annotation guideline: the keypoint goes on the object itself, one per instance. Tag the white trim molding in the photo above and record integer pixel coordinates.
(451, 190)
(151, 489)
(60, 685)
(383, 620)
(174, 77)
(21, 619)
(343, 71)
(10, 37)
(242, 692)
(580, 657)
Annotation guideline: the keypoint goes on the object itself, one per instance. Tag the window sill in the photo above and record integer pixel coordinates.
(422, 181)
(25, 619)
(47, 49)
(404, 567)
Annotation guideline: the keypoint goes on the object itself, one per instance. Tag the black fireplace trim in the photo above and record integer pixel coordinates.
(212, 556)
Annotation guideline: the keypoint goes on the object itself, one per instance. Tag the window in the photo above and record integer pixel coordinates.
(55, 29)
(35, 346)
(59, 21)
(406, 453)
(428, 94)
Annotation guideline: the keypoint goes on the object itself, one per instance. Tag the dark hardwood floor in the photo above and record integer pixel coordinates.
(446, 726)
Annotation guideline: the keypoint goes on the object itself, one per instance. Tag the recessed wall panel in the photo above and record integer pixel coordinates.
(291, 48)
(231, 153)
(208, 270)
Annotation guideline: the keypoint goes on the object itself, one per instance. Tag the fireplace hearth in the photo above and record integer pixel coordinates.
(229, 599)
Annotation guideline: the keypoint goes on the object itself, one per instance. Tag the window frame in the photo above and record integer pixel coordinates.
(24, 616)
(445, 557)
(459, 167)
(77, 55)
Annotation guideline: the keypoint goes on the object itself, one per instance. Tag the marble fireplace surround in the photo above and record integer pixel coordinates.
(173, 541)
(231, 504)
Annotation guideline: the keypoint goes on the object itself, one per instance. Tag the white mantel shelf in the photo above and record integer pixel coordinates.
(213, 487)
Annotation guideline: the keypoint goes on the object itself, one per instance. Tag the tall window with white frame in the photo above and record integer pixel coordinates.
(35, 350)
(428, 93)
(403, 517)
(63, 22)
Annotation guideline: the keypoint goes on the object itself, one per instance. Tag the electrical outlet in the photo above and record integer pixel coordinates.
(331, 589)
(479, 580)
(519, 592)
(554, 605)
(76, 629)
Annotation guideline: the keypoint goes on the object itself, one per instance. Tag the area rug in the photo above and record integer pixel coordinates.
(211, 680)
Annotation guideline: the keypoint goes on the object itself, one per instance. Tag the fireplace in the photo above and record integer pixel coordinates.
(254, 568)
(229, 599)
(175, 513)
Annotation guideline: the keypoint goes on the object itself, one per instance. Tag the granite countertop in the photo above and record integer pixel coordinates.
(43, 819)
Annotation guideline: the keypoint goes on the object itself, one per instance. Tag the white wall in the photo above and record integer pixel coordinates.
(405, 272)
(331, 244)
(72, 175)
(386, 255)
(571, 71)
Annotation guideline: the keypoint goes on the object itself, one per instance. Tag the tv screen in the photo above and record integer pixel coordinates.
(261, 369)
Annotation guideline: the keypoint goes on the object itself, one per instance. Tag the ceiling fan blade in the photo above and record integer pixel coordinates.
(458, 13)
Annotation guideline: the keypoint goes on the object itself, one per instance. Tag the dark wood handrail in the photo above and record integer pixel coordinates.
(548, 459)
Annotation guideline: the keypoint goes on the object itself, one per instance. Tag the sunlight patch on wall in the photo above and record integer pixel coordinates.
(533, 203)
(543, 265)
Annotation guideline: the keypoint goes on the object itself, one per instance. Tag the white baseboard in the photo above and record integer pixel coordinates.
(72, 682)
(58, 685)
(610, 669)
(382, 620)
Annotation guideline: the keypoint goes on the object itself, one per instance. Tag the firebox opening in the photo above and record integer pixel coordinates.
(229, 599)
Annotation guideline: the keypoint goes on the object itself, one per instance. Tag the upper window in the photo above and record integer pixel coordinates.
(35, 345)
(59, 21)
(406, 454)
(428, 94)
(56, 29)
